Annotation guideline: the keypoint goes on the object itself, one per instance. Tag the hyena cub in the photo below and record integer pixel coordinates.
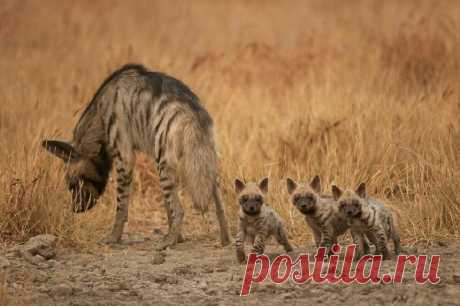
(321, 212)
(257, 221)
(368, 218)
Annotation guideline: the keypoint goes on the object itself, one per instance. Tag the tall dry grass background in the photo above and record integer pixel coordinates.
(350, 90)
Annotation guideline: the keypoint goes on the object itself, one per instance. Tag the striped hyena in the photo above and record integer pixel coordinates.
(256, 220)
(321, 211)
(369, 219)
(140, 110)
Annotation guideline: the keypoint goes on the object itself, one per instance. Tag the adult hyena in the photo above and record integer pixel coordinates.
(140, 110)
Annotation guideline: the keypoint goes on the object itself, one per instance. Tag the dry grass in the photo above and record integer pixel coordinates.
(353, 91)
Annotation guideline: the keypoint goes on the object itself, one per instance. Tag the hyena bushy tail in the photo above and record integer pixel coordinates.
(200, 169)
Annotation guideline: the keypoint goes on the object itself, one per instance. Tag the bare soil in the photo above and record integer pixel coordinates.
(201, 273)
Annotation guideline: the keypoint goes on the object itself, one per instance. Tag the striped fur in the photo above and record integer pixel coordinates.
(139, 110)
(320, 211)
(256, 220)
(369, 219)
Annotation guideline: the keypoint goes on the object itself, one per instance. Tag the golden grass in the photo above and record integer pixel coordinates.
(353, 91)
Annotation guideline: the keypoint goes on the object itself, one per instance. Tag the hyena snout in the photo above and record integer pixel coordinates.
(252, 207)
(84, 196)
(351, 210)
(306, 205)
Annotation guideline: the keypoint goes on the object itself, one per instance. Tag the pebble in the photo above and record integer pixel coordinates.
(62, 290)
(4, 263)
(202, 285)
(38, 249)
(221, 269)
(456, 278)
(158, 258)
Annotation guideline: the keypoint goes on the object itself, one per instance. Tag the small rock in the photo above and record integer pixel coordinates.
(202, 285)
(119, 287)
(4, 263)
(221, 269)
(158, 258)
(157, 232)
(38, 243)
(456, 278)
(39, 277)
(287, 296)
(44, 289)
(39, 248)
(39, 258)
(208, 269)
(62, 290)
(211, 291)
(53, 262)
(442, 243)
(165, 279)
(172, 280)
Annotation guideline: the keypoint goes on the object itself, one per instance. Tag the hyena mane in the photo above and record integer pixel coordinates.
(140, 110)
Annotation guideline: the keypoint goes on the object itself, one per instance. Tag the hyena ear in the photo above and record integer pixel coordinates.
(361, 190)
(316, 184)
(336, 192)
(263, 185)
(291, 185)
(239, 186)
(61, 149)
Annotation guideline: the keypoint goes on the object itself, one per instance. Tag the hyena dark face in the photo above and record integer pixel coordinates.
(350, 202)
(85, 178)
(304, 196)
(251, 196)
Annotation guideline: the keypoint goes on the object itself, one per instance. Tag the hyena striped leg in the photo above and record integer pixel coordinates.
(327, 239)
(397, 243)
(124, 167)
(220, 212)
(168, 208)
(173, 206)
(316, 237)
(360, 241)
(259, 244)
(381, 245)
(282, 239)
(239, 243)
(366, 247)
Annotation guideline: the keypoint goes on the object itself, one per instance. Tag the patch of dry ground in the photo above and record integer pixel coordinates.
(362, 90)
(202, 273)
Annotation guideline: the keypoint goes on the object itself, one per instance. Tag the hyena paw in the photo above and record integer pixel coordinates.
(257, 251)
(358, 255)
(180, 238)
(169, 240)
(110, 239)
(241, 257)
(386, 256)
(225, 241)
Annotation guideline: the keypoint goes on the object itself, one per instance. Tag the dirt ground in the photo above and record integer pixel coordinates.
(200, 273)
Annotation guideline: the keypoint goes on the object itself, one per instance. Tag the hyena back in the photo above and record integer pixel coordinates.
(369, 219)
(139, 110)
(256, 220)
(320, 211)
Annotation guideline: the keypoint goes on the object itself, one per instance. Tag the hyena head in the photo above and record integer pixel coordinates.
(251, 196)
(304, 196)
(350, 202)
(86, 178)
